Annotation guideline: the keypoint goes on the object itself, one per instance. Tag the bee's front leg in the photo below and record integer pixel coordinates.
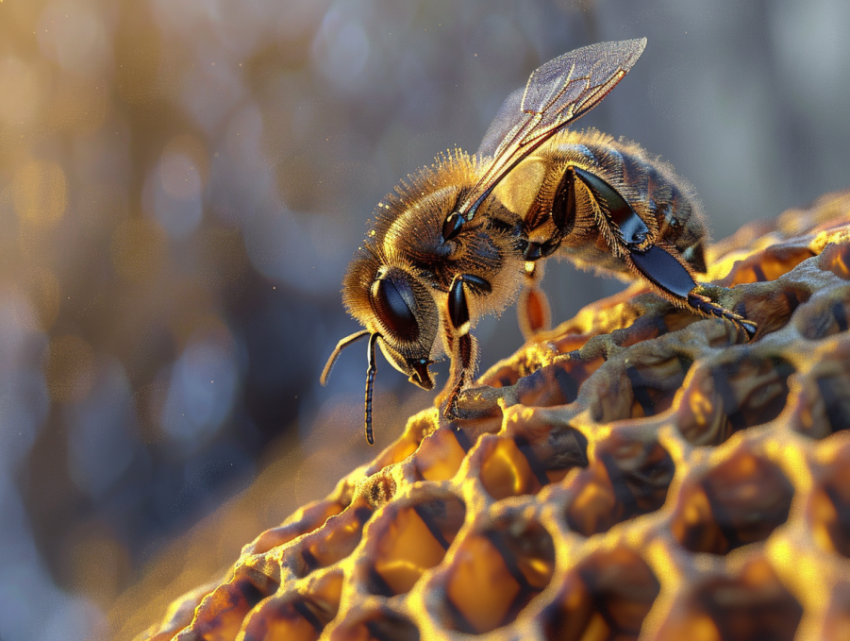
(461, 342)
(669, 275)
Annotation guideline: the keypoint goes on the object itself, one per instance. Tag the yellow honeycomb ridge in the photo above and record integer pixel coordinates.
(636, 473)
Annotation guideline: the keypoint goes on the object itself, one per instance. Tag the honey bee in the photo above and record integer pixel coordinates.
(466, 236)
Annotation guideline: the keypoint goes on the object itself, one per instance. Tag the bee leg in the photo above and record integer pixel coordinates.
(664, 269)
(533, 307)
(708, 307)
(462, 343)
(668, 273)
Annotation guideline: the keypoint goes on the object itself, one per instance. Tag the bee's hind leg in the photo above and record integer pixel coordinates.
(668, 273)
(533, 306)
(702, 303)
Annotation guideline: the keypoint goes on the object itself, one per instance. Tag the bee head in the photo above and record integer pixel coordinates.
(405, 314)
(392, 302)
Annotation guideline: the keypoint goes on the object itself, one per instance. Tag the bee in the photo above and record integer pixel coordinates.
(467, 236)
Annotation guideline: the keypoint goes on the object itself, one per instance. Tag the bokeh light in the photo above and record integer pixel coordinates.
(41, 193)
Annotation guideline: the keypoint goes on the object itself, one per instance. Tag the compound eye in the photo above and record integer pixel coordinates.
(393, 310)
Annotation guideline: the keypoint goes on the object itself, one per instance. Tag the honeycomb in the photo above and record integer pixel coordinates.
(636, 473)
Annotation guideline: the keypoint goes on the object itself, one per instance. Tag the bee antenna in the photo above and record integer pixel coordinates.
(370, 384)
(345, 342)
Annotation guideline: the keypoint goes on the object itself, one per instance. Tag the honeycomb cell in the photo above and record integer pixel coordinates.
(752, 605)
(541, 382)
(293, 621)
(518, 466)
(773, 309)
(771, 264)
(627, 478)
(179, 614)
(221, 612)
(655, 383)
(379, 626)
(300, 617)
(439, 456)
(641, 390)
(824, 403)
(397, 452)
(556, 384)
(725, 398)
(652, 326)
(414, 540)
(554, 453)
(567, 340)
(829, 507)
(836, 258)
(334, 541)
(505, 471)
(303, 521)
(673, 320)
(607, 596)
(825, 316)
(838, 314)
(495, 574)
(738, 502)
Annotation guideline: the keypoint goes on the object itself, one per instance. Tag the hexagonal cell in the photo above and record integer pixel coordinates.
(627, 478)
(538, 356)
(439, 455)
(607, 596)
(825, 315)
(517, 466)
(836, 258)
(770, 307)
(222, 611)
(297, 617)
(654, 322)
(556, 384)
(414, 540)
(770, 264)
(641, 390)
(754, 605)
(738, 502)
(674, 319)
(334, 541)
(406, 445)
(307, 519)
(495, 574)
(506, 472)
(733, 396)
(829, 508)
(824, 402)
(655, 385)
(180, 614)
(378, 626)
(568, 340)
(773, 308)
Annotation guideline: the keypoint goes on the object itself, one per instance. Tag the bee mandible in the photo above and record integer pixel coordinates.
(466, 236)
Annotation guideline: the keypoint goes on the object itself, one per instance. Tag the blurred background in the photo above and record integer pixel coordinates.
(182, 184)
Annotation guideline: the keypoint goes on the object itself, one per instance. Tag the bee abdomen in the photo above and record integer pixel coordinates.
(665, 201)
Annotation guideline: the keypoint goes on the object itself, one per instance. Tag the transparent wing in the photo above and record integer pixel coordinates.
(557, 93)
(505, 120)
